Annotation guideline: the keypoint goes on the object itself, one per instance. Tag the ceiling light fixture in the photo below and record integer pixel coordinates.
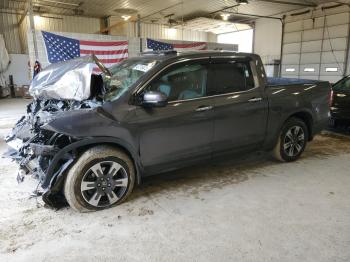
(225, 16)
(126, 17)
(242, 2)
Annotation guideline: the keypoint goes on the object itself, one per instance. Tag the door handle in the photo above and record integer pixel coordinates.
(204, 108)
(255, 99)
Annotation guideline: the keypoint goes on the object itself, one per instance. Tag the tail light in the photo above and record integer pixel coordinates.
(331, 98)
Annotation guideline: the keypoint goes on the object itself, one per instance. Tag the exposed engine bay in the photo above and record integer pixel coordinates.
(33, 146)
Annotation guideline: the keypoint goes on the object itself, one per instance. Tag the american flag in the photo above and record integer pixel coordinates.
(157, 45)
(60, 48)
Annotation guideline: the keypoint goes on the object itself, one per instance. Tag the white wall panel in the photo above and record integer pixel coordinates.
(338, 19)
(334, 44)
(324, 43)
(310, 58)
(311, 77)
(306, 70)
(330, 78)
(336, 31)
(291, 48)
(340, 68)
(290, 69)
(294, 37)
(312, 46)
(333, 57)
(267, 39)
(294, 26)
(314, 34)
(291, 59)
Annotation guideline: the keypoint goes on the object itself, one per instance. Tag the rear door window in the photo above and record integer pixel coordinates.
(230, 76)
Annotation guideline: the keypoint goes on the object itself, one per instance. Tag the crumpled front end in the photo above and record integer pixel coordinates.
(58, 89)
(33, 147)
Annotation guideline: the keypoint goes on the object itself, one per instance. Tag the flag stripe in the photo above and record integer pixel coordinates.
(99, 43)
(103, 52)
(103, 48)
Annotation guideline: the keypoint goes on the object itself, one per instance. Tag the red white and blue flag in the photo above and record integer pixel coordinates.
(60, 48)
(157, 46)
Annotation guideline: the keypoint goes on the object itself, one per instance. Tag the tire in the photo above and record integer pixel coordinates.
(289, 148)
(102, 177)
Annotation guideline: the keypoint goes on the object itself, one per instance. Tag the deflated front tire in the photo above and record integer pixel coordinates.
(102, 177)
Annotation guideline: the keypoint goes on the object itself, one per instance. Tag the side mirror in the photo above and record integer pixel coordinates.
(154, 99)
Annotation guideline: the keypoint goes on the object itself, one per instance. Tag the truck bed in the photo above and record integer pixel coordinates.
(276, 81)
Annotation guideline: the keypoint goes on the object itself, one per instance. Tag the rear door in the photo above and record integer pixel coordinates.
(241, 106)
(181, 132)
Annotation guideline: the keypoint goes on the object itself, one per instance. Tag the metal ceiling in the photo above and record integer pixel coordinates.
(161, 11)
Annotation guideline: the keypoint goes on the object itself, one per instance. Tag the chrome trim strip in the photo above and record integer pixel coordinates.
(213, 96)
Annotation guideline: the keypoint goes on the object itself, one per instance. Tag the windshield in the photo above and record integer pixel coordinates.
(124, 75)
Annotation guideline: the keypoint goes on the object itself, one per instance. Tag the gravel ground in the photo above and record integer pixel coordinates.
(247, 209)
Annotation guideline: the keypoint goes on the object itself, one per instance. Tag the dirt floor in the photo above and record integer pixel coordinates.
(247, 209)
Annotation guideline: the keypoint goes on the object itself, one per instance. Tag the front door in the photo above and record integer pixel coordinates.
(181, 132)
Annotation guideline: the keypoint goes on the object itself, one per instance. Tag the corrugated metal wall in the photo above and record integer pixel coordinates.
(16, 37)
(315, 45)
(158, 31)
(74, 24)
(10, 30)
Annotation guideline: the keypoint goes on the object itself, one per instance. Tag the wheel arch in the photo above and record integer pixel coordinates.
(307, 118)
(80, 146)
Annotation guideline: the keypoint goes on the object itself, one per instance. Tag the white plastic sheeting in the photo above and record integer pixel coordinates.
(4, 56)
(66, 80)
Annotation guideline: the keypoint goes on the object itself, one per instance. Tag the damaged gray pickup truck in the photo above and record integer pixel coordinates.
(90, 138)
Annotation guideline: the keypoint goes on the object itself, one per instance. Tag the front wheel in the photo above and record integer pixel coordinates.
(102, 177)
(292, 140)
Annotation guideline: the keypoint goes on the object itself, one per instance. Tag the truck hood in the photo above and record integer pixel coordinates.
(69, 80)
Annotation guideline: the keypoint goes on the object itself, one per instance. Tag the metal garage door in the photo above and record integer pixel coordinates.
(316, 48)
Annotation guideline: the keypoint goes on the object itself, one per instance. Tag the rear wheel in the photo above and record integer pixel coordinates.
(102, 177)
(292, 140)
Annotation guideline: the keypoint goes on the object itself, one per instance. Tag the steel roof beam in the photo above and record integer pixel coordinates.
(305, 4)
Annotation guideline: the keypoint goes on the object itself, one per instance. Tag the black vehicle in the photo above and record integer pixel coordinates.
(156, 113)
(340, 102)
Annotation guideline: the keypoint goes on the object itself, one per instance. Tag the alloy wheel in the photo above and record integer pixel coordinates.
(294, 141)
(104, 183)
